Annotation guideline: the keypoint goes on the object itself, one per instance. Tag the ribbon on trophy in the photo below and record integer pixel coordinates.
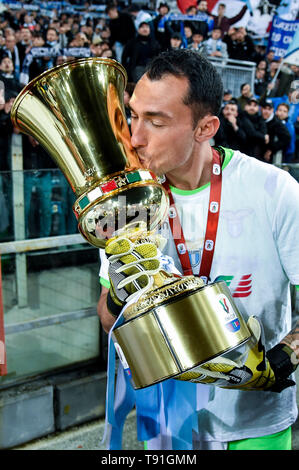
(166, 412)
(3, 366)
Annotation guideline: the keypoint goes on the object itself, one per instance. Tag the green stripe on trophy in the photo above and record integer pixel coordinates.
(83, 202)
(133, 177)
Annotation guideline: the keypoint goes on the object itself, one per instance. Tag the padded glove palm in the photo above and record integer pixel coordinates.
(134, 266)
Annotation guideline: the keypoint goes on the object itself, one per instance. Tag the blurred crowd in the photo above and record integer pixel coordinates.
(260, 121)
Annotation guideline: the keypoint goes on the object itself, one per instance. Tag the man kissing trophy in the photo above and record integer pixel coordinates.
(174, 326)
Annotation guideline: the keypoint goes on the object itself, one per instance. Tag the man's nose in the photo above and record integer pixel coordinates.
(138, 137)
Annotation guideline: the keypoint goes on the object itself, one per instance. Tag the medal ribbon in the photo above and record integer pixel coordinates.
(211, 228)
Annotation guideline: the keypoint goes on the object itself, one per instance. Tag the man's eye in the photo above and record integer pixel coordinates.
(157, 124)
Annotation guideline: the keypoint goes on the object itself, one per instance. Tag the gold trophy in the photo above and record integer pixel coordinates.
(76, 112)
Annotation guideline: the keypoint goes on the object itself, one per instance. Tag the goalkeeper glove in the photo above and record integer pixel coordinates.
(253, 370)
(134, 267)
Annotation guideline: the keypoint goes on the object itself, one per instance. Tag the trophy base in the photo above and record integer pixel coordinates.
(178, 330)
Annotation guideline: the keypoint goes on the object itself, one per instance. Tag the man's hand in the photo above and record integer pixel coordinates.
(267, 155)
(284, 359)
(233, 120)
(133, 267)
(254, 370)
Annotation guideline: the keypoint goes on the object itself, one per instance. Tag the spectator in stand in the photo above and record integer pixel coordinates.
(109, 53)
(106, 35)
(282, 112)
(240, 46)
(80, 40)
(291, 99)
(188, 35)
(38, 189)
(279, 136)
(223, 22)
(260, 83)
(215, 47)
(232, 131)
(96, 36)
(272, 86)
(203, 26)
(25, 43)
(262, 65)
(7, 76)
(139, 15)
(230, 38)
(162, 26)
(7, 98)
(268, 58)
(195, 25)
(29, 21)
(257, 134)
(246, 94)
(122, 29)
(88, 31)
(138, 52)
(260, 50)
(227, 96)
(75, 29)
(2, 39)
(176, 41)
(65, 35)
(38, 40)
(11, 50)
(287, 75)
(51, 42)
(197, 43)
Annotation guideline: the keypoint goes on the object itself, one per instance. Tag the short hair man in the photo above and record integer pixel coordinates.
(279, 136)
(174, 111)
(234, 128)
(258, 137)
(282, 112)
(215, 46)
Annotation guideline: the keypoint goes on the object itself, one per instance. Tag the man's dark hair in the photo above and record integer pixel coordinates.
(285, 105)
(110, 7)
(205, 84)
(244, 84)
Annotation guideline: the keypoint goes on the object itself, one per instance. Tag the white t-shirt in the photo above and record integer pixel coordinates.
(256, 253)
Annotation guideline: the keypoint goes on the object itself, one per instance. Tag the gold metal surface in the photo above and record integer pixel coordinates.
(66, 110)
(200, 333)
(146, 350)
(76, 112)
(192, 330)
(156, 297)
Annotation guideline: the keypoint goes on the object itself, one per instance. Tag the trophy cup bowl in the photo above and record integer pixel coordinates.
(76, 112)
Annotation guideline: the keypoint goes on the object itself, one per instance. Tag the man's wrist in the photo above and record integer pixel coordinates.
(113, 307)
(280, 358)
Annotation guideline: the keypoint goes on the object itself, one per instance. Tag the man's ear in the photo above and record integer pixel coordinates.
(206, 128)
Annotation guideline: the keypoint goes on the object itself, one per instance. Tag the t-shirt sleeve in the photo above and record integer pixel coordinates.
(286, 225)
(104, 278)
